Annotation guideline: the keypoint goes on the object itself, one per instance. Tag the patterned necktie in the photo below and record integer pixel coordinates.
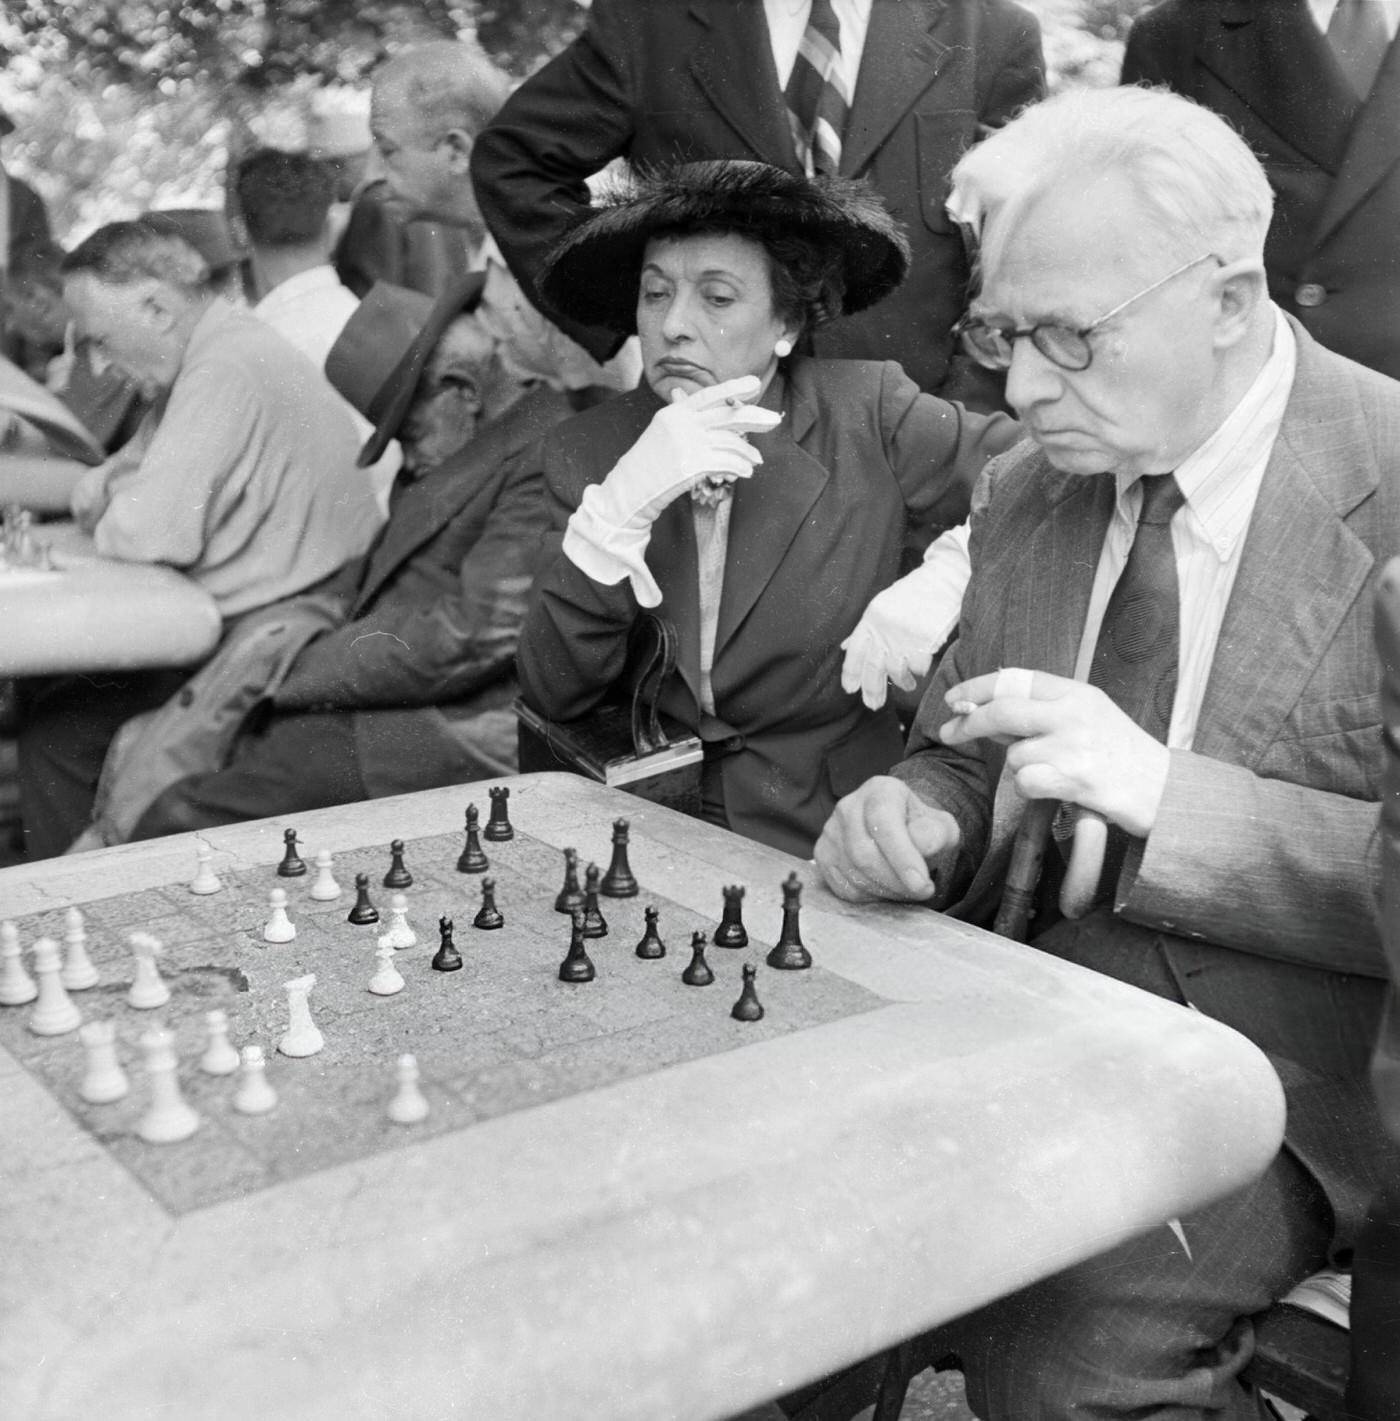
(817, 101)
(1135, 656)
(1358, 38)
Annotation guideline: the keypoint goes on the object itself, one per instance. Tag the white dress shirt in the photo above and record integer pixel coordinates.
(1221, 481)
(1323, 10)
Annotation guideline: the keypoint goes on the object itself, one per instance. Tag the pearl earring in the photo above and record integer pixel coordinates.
(782, 348)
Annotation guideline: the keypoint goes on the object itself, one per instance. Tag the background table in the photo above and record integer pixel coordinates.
(97, 614)
(682, 1244)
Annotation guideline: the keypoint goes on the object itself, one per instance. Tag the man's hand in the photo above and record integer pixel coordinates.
(879, 840)
(1067, 741)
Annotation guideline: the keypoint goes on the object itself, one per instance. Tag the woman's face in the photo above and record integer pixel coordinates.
(705, 312)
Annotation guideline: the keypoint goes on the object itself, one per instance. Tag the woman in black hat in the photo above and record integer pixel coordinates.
(756, 497)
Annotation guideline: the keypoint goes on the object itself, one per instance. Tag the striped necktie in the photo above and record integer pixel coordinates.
(817, 101)
(1358, 38)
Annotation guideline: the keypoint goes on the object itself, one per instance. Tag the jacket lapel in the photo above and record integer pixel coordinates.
(1044, 620)
(1043, 623)
(1298, 554)
(421, 509)
(733, 39)
(1372, 150)
(900, 60)
(769, 509)
(673, 558)
(1273, 56)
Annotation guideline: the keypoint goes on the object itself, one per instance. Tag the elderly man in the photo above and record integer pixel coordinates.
(242, 475)
(402, 676)
(1169, 626)
(427, 107)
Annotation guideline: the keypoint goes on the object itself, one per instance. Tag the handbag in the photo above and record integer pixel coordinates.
(624, 741)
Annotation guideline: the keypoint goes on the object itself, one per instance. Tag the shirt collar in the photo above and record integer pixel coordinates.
(1214, 473)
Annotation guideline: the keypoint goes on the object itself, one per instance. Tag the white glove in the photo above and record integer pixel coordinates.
(696, 436)
(906, 623)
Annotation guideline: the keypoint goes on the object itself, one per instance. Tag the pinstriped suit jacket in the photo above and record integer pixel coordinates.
(1254, 897)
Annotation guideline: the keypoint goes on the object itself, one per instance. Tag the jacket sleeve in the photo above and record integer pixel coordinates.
(574, 645)
(1261, 865)
(938, 450)
(443, 651)
(531, 162)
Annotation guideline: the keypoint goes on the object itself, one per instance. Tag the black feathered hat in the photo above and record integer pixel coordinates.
(592, 274)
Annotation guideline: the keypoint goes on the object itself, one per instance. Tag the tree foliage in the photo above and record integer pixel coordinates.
(125, 104)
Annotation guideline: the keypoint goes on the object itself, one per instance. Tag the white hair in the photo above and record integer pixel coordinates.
(1199, 185)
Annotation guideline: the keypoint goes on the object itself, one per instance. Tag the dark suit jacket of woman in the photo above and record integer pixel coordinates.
(863, 471)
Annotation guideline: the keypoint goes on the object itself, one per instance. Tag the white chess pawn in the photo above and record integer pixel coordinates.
(398, 934)
(104, 1080)
(78, 972)
(409, 1104)
(16, 985)
(301, 1038)
(53, 1013)
(255, 1094)
(220, 1056)
(325, 889)
(387, 979)
(279, 927)
(205, 880)
(169, 1118)
(148, 991)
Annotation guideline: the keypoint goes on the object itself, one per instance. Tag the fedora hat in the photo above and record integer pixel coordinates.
(379, 357)
(592, 273)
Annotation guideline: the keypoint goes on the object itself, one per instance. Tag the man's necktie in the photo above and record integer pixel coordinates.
(1135, 656)
(1358, 38)
(817, 101)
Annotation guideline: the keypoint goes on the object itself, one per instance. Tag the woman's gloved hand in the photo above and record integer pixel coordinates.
(906, 623)
(697, 436)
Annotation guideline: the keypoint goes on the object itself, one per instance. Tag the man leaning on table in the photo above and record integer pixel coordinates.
(242, 476)
(1124, 294)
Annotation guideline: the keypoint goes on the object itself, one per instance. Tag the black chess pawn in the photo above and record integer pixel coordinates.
(651, 944)
(364, 911)
(577, 966)
(698, 974)
(398, 875)
(618, 881)
(594, 924)
(446, 958)
(730, 932)
(488, 916)
(472, 859)
(498, 826)
(292, 865)
(570, 895)
(748, 1007)
(790, 955)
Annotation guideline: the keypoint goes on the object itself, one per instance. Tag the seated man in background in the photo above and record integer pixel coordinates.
(411, 683)
(427, 107)
(1178, 569)
(242, 476)
(285, 199)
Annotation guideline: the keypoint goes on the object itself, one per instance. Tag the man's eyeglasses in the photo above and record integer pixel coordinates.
(1064, 346)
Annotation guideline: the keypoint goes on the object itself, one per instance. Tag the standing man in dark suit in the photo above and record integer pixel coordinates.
(1168, 624)
(659, 82)
(1314, 86)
